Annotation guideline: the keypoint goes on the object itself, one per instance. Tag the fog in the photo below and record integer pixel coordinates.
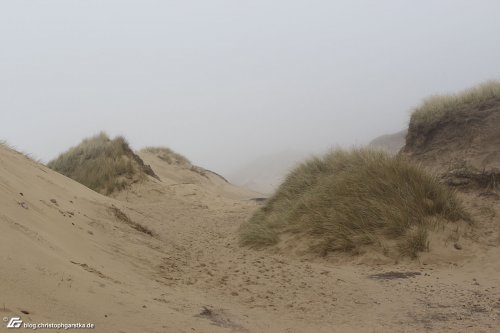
(227, 82)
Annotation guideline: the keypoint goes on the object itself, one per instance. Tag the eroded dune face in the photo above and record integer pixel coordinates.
(163, 256)
(466, 135)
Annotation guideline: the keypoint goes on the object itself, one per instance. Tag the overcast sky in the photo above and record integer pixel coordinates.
(224, 82)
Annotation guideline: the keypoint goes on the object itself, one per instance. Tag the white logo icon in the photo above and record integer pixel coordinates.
(14, 322)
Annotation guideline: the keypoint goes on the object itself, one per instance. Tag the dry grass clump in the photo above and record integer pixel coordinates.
(349, 199)
(439, 107)
(168, 155)
(29, 156)
(101, 164)
(124, 218)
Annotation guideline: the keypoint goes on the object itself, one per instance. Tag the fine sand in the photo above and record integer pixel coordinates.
(68, 254)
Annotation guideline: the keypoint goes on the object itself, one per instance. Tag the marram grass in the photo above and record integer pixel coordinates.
(347, 200)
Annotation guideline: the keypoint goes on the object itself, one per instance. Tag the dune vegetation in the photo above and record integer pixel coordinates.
(440, 108)
(347, 200)
(102, 164)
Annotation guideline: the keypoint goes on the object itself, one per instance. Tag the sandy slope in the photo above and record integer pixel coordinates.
(74, 260)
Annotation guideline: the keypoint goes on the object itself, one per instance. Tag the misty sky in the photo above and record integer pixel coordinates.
(224, 82)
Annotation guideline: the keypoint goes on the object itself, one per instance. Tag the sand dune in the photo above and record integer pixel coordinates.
(266, 173)
(390, 142)
(68, 256)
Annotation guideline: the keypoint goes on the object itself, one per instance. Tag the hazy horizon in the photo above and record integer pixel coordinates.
(225, 83)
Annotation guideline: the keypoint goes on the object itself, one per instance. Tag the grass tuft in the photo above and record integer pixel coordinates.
(102, 164)
(436, 108)
(350, 199)
(414, 242)
(29, 156)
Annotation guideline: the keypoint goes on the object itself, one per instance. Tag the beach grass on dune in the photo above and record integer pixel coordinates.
(346, 200)
(100, 163)
(441, 107)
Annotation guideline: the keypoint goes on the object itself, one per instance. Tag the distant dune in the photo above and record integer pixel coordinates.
(392, 143)
(266, 173)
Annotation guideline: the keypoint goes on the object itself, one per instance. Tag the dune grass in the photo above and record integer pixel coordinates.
(100, 163)
(350, 199)
(29, 156)
(168, 155)
(438, 107)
